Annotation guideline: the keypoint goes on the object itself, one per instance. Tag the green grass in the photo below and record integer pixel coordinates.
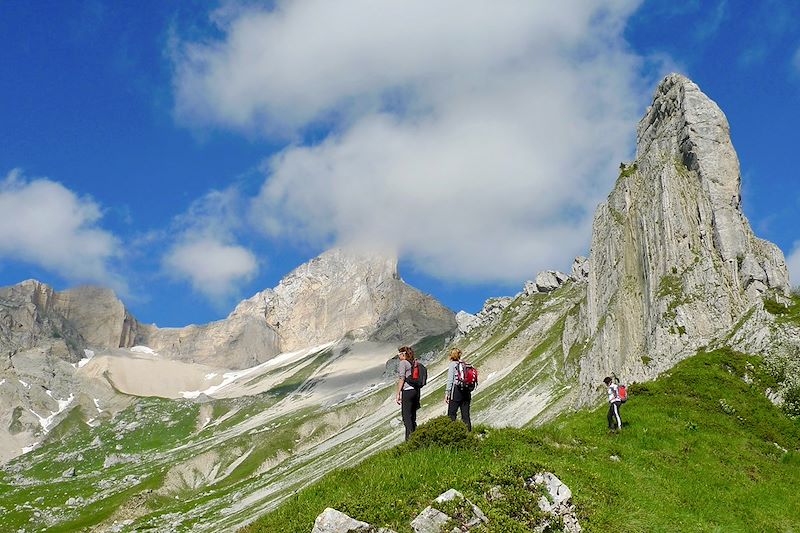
(626, 171)
(701, 450)
(785, 313)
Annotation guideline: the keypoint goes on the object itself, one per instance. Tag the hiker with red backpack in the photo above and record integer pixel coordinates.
(412, 376)
(617, 395)
(462, 378)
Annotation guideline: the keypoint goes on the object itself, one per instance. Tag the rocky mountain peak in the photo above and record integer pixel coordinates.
(348, 291)
(674, 262)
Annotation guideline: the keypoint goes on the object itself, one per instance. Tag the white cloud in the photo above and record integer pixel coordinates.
(214, 269)
(475, 137)
(204, 251)
(793, 264)
(45, 224)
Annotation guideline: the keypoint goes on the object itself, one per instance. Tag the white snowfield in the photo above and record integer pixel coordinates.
(47, 422)
(89, 354)
(143, 349)
(229, 378)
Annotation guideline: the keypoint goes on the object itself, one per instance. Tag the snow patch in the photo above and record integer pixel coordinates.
(2, 381)
(230, 377)
(30, 448)
(143, 349)
(24, 384)
(211, 376)
(97, 404)
(89, 354)
(47, 422)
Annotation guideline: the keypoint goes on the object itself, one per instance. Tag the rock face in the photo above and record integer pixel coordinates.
(336, 294)
(65, 323)
(346, 292)
(673, 263)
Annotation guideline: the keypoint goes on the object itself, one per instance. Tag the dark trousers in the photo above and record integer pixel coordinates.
(408, 407)
(462, 403)
(614, 421)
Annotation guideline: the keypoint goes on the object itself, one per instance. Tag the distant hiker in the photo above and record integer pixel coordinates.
(458, 394)
(614, 401)
(407, 394)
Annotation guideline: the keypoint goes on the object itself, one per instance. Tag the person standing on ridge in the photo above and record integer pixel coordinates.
(614, 401)
(407, 395)
(455, 396)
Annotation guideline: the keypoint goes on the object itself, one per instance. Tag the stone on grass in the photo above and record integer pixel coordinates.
(333, 521)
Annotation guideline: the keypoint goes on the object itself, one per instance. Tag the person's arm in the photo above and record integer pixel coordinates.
(400, 382)
(451, 375)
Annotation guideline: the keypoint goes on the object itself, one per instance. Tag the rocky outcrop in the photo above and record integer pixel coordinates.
(340, 293)
(347, 292)
(673, 263)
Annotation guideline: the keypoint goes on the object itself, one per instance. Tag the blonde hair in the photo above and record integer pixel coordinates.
(455, 354)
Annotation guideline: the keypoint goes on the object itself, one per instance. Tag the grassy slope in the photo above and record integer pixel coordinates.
(700, 451)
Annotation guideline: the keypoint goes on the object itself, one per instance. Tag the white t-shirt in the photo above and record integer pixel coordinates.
(613, 393)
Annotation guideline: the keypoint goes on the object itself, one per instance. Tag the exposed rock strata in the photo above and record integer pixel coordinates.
(673, 263)
(336, 294)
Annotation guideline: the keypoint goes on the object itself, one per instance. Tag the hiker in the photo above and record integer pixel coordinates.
(455, 396)
(407, 395)
(614, 401)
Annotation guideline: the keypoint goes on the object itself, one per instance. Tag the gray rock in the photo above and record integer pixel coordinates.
(530, 288)
(673, 263)
(466, 321)
(333, 521)
(580, 269)
(69, 472)
(558, 504)
(340, 293)
(549, 280)
(430, 520)
(558, 491)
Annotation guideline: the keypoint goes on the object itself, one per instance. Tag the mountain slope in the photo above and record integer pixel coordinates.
(702, 449)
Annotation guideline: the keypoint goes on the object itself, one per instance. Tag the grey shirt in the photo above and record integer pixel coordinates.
(451, 377)
(403, 371)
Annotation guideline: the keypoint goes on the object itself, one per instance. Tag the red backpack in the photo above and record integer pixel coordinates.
(622, 393)
(419, 375)
(466, 376)
(622, 390)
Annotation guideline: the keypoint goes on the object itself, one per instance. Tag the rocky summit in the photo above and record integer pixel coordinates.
(673, 263)
(208, 427)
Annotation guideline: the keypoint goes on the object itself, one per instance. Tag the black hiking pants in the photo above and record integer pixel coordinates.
(614, 421)
(408, 407)
(453, 406)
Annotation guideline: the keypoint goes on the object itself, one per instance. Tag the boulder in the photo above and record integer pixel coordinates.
(466, 321)
(333, 521)
(580, 269)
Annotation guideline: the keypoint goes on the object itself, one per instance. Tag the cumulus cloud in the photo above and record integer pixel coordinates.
(793, 263)
(204, 251)
(214, 269)
(476, 137)
(45, 224)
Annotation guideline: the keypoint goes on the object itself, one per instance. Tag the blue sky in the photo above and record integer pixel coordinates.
(190, 154)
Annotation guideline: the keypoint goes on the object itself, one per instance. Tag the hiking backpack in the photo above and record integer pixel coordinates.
(419, 375)
(466, 376)
(622, 390)
(622, 393)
